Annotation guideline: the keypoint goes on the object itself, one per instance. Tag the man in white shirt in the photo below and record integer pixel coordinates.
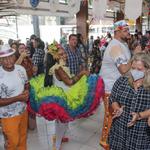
(115, 63)
(13, 96)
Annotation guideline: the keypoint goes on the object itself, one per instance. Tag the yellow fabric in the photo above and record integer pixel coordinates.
(15, 132)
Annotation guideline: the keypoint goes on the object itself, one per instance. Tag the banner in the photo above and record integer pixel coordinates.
(133, 9)
(99, 9)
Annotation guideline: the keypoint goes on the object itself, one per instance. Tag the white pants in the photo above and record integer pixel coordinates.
(60, 129)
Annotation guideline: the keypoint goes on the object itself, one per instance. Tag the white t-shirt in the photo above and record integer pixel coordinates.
(12, 84)
(116, 53)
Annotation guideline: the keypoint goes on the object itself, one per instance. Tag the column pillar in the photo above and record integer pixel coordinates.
(82, 18)
(139, 24)
(36, 28)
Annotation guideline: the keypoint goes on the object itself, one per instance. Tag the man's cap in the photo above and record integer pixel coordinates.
(6, 51)
(120, 25)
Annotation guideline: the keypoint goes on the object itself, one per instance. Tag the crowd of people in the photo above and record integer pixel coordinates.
(20, 63)
(123, 62)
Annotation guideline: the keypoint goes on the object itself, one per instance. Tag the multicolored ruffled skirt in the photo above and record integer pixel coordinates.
(53, 103)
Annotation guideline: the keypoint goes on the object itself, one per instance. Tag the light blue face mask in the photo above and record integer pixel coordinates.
(137, 74)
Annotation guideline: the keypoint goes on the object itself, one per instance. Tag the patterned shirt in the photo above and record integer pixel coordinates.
(11, 85)
(38, 57)
(129, 138)
(73, 60)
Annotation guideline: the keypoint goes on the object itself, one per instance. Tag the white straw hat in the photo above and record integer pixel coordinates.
(6, 51)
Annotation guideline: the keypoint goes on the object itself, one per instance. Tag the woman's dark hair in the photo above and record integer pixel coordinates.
(143, 42)
(14, 43)
(96, 43)
(38, 40)
(79, 35)
(41, 44)
(50, 61)
(33, 36)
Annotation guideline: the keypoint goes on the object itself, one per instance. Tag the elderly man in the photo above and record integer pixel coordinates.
(13, 96)
(115, 63)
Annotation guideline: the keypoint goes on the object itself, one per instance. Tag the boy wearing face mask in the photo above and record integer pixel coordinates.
(131, 93)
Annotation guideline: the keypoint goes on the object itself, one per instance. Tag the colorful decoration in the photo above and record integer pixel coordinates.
(73, 6)
(61, 64)
(79, 101)
(34, 3)
(54, 48)
(131, 22)
(120, 25)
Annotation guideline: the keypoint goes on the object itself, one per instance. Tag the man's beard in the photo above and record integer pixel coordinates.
(125, 39)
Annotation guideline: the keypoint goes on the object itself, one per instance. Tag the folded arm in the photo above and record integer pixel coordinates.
(7, 101)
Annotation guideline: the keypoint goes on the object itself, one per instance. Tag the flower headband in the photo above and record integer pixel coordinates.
(53, 49)
(119, 25)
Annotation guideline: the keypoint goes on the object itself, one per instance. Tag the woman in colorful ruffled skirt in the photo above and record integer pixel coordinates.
(69, 98)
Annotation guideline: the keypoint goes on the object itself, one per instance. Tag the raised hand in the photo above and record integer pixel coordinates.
(24, 54)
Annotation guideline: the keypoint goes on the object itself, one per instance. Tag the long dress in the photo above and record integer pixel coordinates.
(136, 137)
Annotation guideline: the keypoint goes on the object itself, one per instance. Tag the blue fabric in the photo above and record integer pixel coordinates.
(34, 3)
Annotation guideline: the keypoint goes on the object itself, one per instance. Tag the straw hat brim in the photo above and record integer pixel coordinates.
(7, 53)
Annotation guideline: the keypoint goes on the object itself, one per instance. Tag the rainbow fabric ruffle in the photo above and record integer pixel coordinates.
(78, 102)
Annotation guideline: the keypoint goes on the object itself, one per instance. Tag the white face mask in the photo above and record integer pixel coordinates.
(136, 74)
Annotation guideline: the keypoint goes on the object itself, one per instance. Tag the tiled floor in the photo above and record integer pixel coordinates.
(83, 134)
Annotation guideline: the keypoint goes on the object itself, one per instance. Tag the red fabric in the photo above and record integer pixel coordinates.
(30, 110)
(54, 111)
